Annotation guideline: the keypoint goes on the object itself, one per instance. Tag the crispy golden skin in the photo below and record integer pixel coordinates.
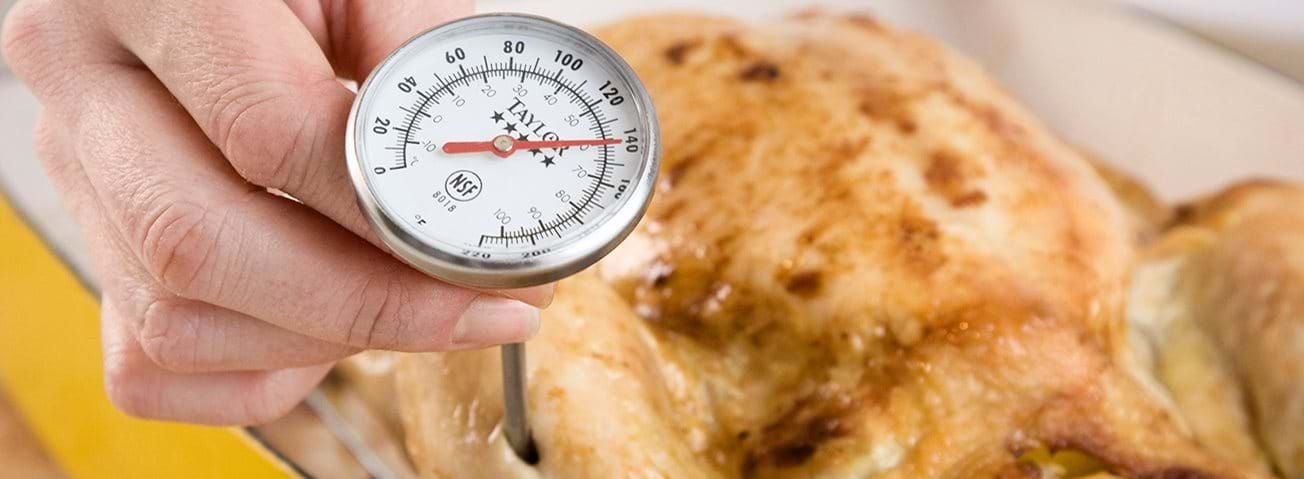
(863, 260)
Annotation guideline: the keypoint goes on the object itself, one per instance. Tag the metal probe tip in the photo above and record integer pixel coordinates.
(515, 423)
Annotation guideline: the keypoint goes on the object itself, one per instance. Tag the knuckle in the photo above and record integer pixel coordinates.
(241, 116)
(177, 244)
(265, 132)
(25, 32)
(169, 337)
(45, 137)
(128, 390)
(59, 163)
(377, 313)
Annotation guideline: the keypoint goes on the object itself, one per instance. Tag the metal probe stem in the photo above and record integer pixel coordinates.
(515, 425)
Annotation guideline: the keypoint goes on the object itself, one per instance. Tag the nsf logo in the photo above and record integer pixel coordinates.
(463, 185)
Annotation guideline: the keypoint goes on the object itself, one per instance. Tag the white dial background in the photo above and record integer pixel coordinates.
(474, 84)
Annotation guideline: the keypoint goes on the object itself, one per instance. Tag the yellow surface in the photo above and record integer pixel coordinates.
(50, 363)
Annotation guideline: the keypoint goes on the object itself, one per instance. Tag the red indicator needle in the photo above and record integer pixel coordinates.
(468, 146)
(503, 145)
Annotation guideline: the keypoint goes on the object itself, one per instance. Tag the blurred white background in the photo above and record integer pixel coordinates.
(1270, 31)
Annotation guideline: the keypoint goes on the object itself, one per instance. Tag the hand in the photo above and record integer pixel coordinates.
(165, 124)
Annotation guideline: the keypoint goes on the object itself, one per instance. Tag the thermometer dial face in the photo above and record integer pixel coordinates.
(503, 150)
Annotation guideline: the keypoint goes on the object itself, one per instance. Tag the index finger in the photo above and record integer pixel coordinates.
(258, 86)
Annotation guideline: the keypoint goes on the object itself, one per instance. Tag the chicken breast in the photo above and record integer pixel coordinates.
(863, 260)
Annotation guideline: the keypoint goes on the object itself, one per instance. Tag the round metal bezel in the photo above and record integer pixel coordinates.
(518, 272)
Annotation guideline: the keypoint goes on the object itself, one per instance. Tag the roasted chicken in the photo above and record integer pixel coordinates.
(864, 259)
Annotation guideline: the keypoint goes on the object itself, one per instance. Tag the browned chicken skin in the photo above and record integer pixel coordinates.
(1218, 306)
(863, 260)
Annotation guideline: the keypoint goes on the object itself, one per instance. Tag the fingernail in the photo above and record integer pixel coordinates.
(492, 320)
(539, 296)
(545, 294)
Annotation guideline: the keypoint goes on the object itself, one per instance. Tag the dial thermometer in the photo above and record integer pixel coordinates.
(503, 151)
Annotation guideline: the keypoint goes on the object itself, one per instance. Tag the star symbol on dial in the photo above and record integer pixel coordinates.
(523, 137)
(547, 161)
(510, 127)
(497, 117)
(535, 152)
